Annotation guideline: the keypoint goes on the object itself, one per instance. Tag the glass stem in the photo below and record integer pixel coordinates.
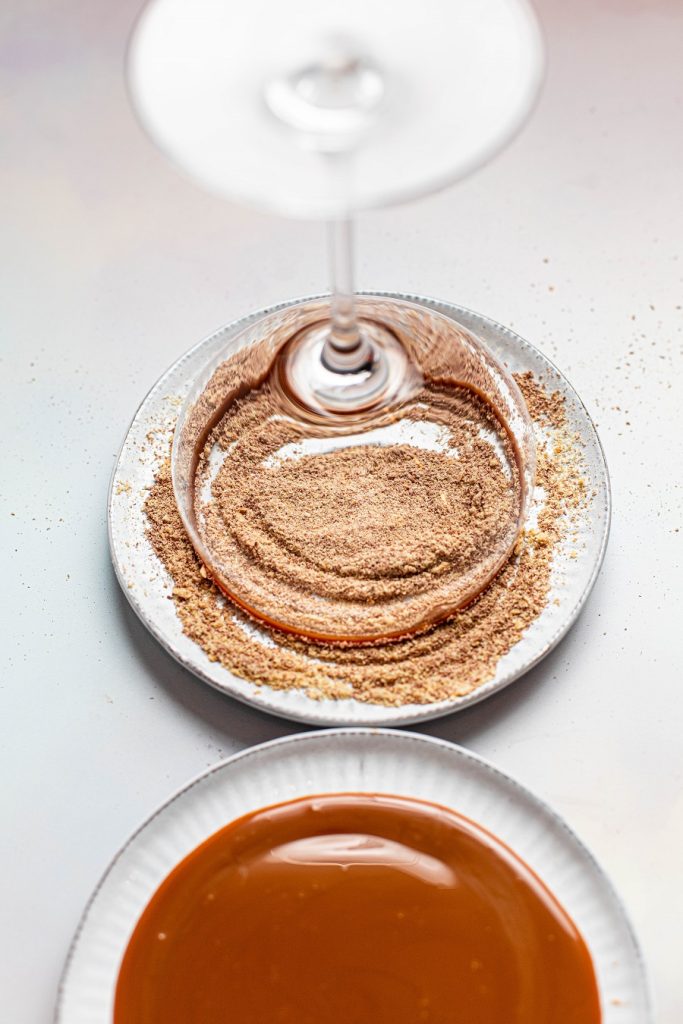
(345, 350)
(344, 333)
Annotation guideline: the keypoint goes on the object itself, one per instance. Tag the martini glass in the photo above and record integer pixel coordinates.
(317, 111)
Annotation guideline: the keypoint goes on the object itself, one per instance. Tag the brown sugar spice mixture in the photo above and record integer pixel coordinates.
(450, 660)
(372, 530)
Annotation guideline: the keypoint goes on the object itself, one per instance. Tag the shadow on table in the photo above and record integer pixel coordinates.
(467, 726)
(249, 725)
(242, 723)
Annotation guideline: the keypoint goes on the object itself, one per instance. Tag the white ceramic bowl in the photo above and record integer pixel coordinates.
(147, 585)
(353, 760)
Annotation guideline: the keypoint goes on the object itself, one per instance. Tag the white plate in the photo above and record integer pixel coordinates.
(147, 585)
(353, 760)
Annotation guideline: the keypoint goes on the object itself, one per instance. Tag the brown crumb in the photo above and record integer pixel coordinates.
(450, 660)
(373, 536)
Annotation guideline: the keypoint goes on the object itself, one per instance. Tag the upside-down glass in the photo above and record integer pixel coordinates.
(321, 110)
(439, 346)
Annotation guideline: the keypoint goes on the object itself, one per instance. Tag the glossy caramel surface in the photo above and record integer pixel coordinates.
(355, 909)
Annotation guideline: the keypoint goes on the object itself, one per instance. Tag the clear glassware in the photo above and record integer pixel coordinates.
(319, 111)
(441, 353)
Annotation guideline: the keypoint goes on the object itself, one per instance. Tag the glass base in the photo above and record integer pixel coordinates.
(383, 376)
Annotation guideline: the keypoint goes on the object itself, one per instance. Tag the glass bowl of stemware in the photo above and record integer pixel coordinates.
(427, 350)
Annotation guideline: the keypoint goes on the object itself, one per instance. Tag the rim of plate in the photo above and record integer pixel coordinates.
(294, 705)
(353, 741)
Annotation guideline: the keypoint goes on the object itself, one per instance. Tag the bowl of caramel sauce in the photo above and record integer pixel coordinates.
(447, 894)
(355, 907)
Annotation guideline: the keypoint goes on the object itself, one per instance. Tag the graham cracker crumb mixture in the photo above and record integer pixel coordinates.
(450, 660)
(371, 534)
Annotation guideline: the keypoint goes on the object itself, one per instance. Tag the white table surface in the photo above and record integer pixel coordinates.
(113, 265)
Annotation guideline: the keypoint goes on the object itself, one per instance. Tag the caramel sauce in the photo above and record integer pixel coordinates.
(355, 909)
